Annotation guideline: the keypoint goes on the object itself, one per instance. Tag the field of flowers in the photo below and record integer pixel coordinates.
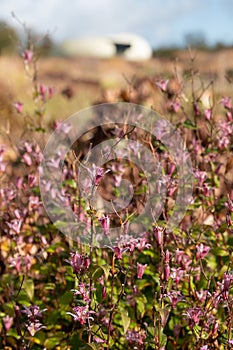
(160, 289)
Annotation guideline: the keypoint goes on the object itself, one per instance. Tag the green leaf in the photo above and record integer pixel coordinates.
(125, 320)
(88, 347)
(23, 298)
(189, 125)
(71, 183)
(219, 251)
(51, 343)
(106, 269)
(163, 340)
(98, 272)
(28, 286)
(66, 298)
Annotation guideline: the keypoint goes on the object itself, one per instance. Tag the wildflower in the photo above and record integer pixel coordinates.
(202, 251)
(34, 314)
(62, 127)
(167, 271)
(175, 106)
(202, 295)
(50, 91)
(15, 225)
(158, 233)
(99, 175)
(105, 223)
(18, 106)
(172, 168)
(229, 116)
(31, 180)
(117, 170)
(79, 262)
(229, 220)
(34, 327)
(227, 282)
(21, 263)
(27, 56)
(8, 321)
(81, 314)
(83, 290)
(142, 243)
(162, 84)
(208, 113)
(183, 259)
(196, 108)
(174, 297)
(226, 102)
(177, 274)
(135, 337)
(118, 252)
(42, 91)
(201, 176)
(98, 340)
(140, 270)
(193, 316)
(229, 205)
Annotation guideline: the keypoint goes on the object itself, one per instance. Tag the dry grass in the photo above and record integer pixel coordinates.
(82, 82)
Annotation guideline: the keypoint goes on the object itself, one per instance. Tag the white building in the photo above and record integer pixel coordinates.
(130, 46)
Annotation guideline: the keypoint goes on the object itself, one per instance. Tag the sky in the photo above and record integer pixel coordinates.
(162, 22)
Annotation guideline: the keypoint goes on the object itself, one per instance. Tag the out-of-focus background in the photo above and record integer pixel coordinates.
(105, 50)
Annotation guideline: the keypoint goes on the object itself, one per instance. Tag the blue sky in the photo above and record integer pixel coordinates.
(161, 22)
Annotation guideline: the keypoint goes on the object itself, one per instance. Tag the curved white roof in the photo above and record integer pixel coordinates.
(130, 46)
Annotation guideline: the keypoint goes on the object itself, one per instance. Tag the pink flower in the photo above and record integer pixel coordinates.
(50, 91)
(196, 108)
(99, 175)
(27, 55)
(136, 338)
(175, 106)
(229, 116)
(27, 159)
(202, 251)
(34, 327)
(62, 127)
(174, 297)
(140, 270)
(208, 113)
(162, 84)
(80, 313)
(118, 252)
(18, 106)
(33, 312)
(167, 271)
(193, 316)
(98, 340)
(172, 168)
(226, 102)
(201, 176)
(42, 91)
(227, 282)
(83, 290)
(229, 205)
(79, 262)
(15, 225)
(105, 223)
(8, 321)
(158, 233)
(104, 292)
